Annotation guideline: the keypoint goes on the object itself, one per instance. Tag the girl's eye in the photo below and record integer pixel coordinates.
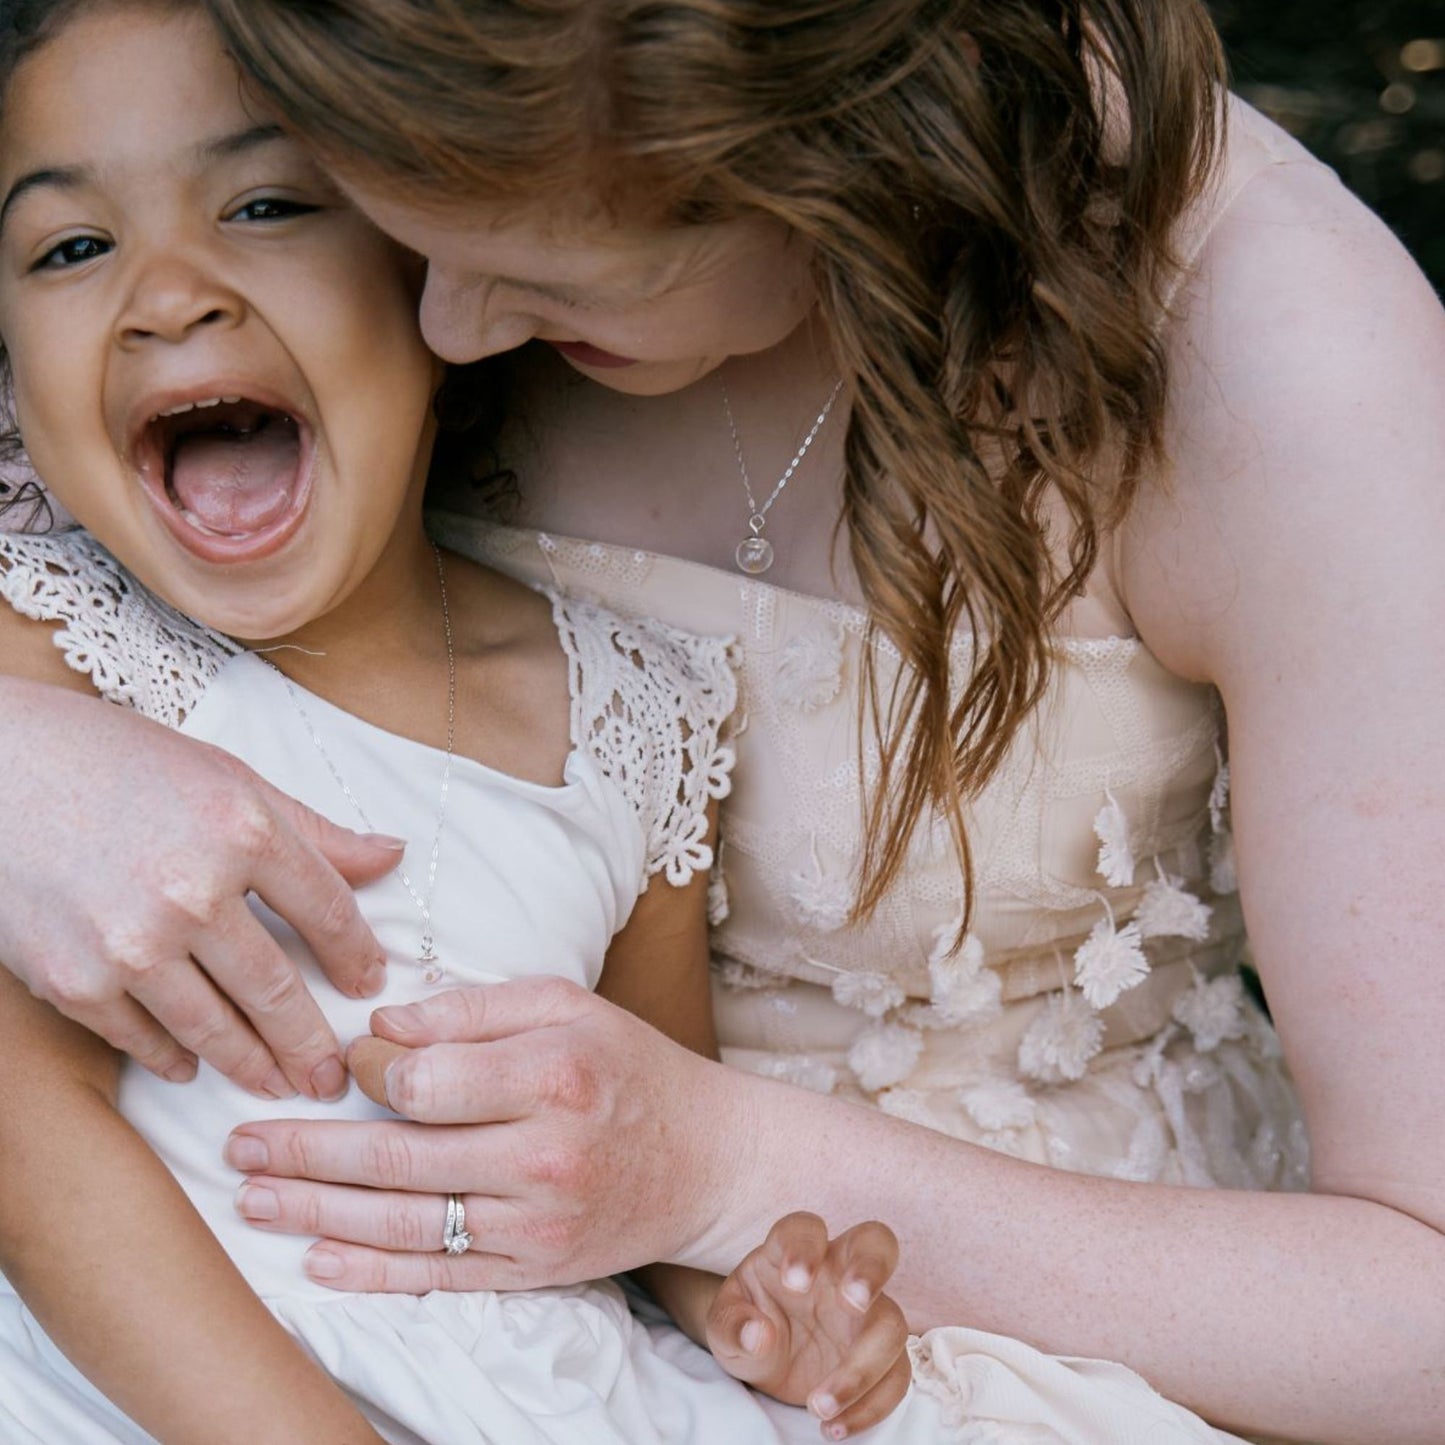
(271, 208)
(75, 251)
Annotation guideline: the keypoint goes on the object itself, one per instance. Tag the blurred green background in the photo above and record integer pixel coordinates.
(1363, 86)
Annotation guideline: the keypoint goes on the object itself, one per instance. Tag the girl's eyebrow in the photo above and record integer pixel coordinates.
(71, 178)
(238, 142)
(64, 178)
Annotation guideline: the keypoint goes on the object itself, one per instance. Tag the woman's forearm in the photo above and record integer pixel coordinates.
(1303, 1316)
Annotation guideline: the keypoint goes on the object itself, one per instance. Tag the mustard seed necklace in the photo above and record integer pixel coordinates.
(754, 554)
(427, 961)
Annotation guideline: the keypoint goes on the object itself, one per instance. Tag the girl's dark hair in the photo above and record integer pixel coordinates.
(990, 188)
(25, 26)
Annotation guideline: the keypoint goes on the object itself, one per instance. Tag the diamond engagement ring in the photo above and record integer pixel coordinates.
(455, 1239)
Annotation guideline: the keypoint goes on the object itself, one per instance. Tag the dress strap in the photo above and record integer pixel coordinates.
(137, 650)
(649, 704)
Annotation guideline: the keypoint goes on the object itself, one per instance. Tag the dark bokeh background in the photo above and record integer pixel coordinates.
(1362, 84)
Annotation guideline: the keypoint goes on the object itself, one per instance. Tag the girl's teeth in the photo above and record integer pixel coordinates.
(186, 406)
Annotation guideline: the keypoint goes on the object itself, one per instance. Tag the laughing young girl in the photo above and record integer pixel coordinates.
(216, 367)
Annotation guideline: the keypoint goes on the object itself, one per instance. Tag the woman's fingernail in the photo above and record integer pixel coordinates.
(181, 1072)
(824, 1406)
(751, 1336)
(277, 1086)
(386, 840)
(400, 1019)
(322, 1264)
(255, 1201)
(797, 1277)
(372, 981)
(858, 1294)
(247, 1153)
(328, 1079)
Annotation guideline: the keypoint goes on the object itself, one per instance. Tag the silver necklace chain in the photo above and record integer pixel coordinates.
(427, 957)
(754, 553)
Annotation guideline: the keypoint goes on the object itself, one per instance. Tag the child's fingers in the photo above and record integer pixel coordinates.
(874, 1356)
(741, 1338)
(863, 1259)
(874, 1405)
(796, 1247)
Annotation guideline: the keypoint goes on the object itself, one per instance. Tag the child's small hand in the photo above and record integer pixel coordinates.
(804, 1319)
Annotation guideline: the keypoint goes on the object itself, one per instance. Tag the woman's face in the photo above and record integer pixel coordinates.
(643, 310)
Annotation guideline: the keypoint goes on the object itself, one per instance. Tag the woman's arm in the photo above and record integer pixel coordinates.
(1296, 560)
(128, 854)
(108, 1254)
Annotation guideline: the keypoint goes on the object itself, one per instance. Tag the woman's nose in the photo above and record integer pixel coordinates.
(464, 319)
(171, 298)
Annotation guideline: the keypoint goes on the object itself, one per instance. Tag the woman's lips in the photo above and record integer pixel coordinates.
(585, 354)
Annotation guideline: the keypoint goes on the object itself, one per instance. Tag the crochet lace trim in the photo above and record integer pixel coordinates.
(137, 650)
(648, 704)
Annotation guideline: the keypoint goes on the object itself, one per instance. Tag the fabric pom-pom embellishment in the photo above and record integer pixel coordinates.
(1058, 1044)
(874, 993)
(1212, 1011)
(884, 1055)
(1116, 856)
(810, 669)
(1169, 910)
(1110, 961)
(820, 900)
(961, 988)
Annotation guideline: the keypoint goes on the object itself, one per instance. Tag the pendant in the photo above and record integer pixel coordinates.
(754, 554)
(431, 969)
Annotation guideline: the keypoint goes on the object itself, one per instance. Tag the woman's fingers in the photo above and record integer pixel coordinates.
(382, 1155)
(187, 1004)
(129, 1029)
(292, 874)
(486, 1012)
(378, 1218)
(252, 970)
(357, 1269)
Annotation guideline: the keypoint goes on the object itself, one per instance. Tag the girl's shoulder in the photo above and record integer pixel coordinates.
(76, 618)
(652, 704)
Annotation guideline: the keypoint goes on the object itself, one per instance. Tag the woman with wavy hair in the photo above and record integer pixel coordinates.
(1060, 445)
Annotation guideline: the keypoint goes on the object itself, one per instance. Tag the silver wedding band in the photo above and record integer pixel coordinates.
(455, 1239)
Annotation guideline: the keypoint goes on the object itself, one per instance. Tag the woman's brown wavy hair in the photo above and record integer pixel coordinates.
(990, 188)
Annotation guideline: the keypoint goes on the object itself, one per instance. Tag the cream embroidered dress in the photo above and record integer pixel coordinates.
(1094, 1018)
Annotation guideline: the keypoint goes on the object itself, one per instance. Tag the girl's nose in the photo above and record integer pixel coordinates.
(171, 299)
(464, 319)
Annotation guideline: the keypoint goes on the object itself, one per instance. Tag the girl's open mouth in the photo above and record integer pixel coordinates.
(229, 473)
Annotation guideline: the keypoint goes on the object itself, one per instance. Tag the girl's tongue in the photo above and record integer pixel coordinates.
(234, 467)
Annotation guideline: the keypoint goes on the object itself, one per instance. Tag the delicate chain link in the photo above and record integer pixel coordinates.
(428, 951)
(759, 513)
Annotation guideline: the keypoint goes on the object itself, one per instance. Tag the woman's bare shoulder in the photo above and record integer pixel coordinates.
(1306, 434)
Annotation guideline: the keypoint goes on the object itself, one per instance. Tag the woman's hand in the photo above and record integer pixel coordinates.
(804, 1319)
(128, 856)
(583, 1141)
